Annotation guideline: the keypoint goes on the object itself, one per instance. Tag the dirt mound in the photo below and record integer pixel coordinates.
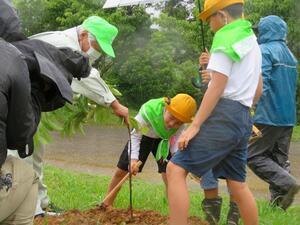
(99, 215)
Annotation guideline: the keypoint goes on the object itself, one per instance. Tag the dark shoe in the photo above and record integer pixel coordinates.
(233, 215)
(276, 201)
(46, 213)
(288, 199)
(52, 208)
(212, 210)
(40, 215)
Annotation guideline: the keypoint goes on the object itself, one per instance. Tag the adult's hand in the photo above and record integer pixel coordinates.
(120, 110)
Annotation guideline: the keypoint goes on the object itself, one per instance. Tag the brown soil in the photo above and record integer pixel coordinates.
(101, 216)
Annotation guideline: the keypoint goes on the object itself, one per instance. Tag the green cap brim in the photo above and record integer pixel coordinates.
(107, 48)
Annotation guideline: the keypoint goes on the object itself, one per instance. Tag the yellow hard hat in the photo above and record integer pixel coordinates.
(212, 6)
(183, 107)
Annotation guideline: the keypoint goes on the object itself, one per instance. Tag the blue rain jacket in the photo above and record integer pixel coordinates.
(277, 105)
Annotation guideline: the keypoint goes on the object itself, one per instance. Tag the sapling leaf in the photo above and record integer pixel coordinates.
(134, 123)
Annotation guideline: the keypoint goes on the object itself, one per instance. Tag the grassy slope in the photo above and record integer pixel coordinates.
(71, 190)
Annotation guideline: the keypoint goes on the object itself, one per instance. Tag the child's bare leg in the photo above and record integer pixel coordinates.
(118, 176)
(211, 193)
(164, 178)
(245, 201)
(177, 194)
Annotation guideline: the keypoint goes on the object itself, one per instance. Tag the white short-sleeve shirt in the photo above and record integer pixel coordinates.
(243, 76)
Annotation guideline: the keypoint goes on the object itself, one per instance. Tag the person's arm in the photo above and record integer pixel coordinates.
(94, 88)
(6, 179)
(210, 100)
(120, 110)
(265, 76)
(220, 66)
(10, 25)
(258, 91)
(267, 66)
(4, 182)
(136, 137)
(3, 118)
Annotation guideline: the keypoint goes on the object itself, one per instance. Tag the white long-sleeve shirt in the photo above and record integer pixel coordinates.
(136, 137)
(92, 87)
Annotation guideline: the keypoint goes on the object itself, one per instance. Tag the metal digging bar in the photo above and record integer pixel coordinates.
(130, 173)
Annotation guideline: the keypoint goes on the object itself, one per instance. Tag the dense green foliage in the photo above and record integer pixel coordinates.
(150, 62)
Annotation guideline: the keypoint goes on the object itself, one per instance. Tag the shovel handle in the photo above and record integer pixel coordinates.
(256, 131)
(116, 188)
(256, 134)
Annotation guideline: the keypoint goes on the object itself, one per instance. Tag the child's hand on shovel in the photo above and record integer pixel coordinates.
(135, 166)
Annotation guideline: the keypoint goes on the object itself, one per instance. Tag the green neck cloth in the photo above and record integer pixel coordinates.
(235, 39)
(153, 113)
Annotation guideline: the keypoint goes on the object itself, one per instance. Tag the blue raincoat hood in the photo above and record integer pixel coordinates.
(272, 28)
(277, 105)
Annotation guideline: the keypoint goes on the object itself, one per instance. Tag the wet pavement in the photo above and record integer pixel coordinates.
(97, 152)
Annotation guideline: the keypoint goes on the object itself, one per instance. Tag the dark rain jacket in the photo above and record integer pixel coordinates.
(34, 77)
(10, 27)
(52, 70)
(277, 105)
(18, 121)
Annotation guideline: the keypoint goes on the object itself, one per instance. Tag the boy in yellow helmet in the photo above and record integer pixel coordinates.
(164, 118)
(217, 138)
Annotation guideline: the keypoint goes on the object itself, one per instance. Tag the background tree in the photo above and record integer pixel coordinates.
(156, 68)
(150, 61)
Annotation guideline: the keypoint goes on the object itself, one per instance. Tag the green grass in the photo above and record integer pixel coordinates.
(296, 134)
(82, 191)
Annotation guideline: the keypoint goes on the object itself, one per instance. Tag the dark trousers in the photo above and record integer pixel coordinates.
(268, 158)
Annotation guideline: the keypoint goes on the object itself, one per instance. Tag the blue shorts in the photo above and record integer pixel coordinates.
(221, 143)
(208, 181)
